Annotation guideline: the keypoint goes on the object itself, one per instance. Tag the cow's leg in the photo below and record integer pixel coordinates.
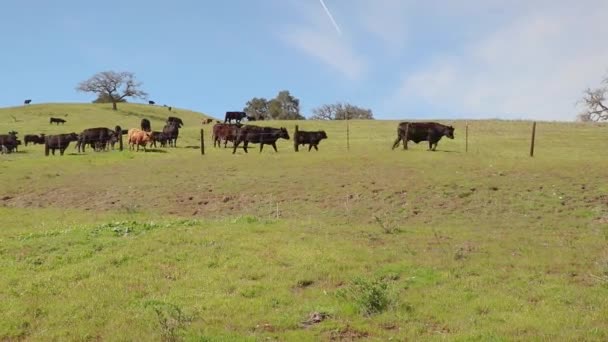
(309, 147)
(235, 145)
(396, 143)
(245, 145)
(261, 147)
(274, 145)
(316, 148)
(435, 147)
(430, 145)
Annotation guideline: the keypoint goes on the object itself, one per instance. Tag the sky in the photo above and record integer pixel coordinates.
(404, 59)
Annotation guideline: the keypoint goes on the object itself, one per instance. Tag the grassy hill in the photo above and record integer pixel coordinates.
(410, 245)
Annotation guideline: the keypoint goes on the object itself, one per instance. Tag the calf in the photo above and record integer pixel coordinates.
(160, 137)
(423, 131)
(310, 138)
(57, 121)
(259, 135)
(58, 141)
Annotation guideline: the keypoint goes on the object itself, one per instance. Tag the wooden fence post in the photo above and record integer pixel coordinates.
(533, 137)
(202, 142)
(119, 132)
(407, 129)
(466, 138)
(295, 139)
(347, 134)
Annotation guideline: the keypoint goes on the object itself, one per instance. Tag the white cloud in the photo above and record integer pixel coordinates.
(534, 67)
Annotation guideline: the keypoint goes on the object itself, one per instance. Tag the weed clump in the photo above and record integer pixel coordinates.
(370, 296)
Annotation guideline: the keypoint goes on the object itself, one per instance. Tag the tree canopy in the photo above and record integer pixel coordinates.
(113, 86)
(283, 107)
(341, 111)
(595, 103)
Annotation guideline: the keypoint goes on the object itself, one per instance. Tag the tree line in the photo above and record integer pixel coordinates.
(115, 87)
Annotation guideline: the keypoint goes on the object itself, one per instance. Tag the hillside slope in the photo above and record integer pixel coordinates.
(35, 118)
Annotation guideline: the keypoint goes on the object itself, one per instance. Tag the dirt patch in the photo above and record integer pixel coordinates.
(347, 334)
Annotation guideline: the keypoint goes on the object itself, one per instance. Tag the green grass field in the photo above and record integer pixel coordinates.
(404, 245)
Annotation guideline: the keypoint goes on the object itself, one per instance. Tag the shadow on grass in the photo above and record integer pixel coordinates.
(155, 150)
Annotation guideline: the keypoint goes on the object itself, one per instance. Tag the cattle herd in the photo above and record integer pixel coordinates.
(102, 138)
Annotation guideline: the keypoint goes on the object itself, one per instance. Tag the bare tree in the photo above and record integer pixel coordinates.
(595, 103)
(115, 86)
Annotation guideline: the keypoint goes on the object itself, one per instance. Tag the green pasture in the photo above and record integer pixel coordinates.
(484, 245)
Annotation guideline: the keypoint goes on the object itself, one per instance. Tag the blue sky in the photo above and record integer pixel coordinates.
(401, 58)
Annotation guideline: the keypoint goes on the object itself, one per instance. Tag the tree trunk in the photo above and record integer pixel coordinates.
(114, 105)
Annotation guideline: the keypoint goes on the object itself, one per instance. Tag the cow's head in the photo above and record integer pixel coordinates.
(284, 133)
(322, 135)
(448, 131)
(73, 136)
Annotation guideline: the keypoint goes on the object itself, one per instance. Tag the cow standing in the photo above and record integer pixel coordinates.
(57, 121)
(226, 132)
(310, 138)
(58, 141)
(158, 137)
(138, 137)
(145, 125)
(259, 135)
(98, 138)
(423, 131)
(33, 138)
(9, 142)
(176, 120)
(171, 132)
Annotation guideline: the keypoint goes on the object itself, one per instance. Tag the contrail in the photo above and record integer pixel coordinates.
(331, 17)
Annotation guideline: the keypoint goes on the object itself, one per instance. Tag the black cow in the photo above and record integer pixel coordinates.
(34, 139)
(250, 118)
(259, 135)
(423, 131)
(58, 141)
(9, 142)
(171, 132)
(160, 137)
(226, 132)
(151, 102)
(178, 121)
(28, 101)
(57, 121)
(97, 137)
(310, 138)
(145, 125)
(237, 116)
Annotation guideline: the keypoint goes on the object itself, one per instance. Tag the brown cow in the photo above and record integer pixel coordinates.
(226, 132)
(137, 137)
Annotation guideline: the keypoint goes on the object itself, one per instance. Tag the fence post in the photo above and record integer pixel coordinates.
(533, 137)
(407, 129)
(295, 139)
(347, 134)
(466, 138)
(202, 142)
(120, 146)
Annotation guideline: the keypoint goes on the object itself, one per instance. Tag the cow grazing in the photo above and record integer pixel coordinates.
(310, 138)
(207, 121)
(259, 135)
(171, 132)
(138, 137)
(97, 137)
(57, 121)
(33, 138)
(151, 102)
(178, 121)
(237, 116)
(226, 132)
(58, 141)
(423, 131)
(28, 101)
(158, 137)
(145, 125)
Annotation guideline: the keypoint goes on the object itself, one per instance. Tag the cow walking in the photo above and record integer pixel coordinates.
(237, 116)
(57, 121)
(310, 138)
(423, 131)
(226, 132)
(259, 135)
